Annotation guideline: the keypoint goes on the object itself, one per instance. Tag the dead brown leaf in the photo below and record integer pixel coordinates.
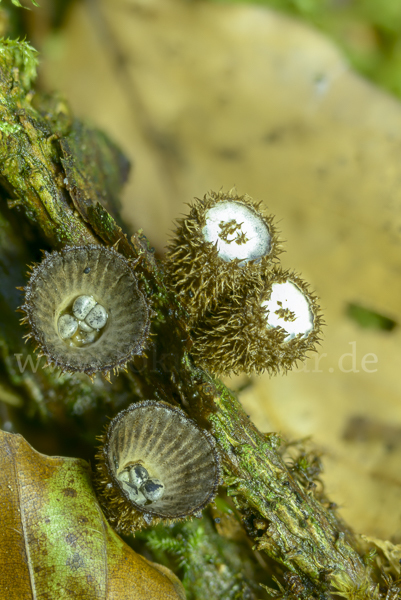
(55, 541)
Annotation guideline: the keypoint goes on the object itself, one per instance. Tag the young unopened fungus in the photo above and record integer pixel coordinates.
(227, 241)
(269, 331)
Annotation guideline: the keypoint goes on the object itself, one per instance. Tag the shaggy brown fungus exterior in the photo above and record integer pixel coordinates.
(155, 465)
(225, 242)
(85, 311)
(269, 331)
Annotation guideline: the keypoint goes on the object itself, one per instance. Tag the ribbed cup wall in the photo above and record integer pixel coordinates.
(173, 449)
(107, 276)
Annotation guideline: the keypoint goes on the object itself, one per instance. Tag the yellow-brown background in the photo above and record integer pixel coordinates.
(206, 96)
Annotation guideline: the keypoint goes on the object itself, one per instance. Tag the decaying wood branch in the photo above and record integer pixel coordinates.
(52, 182)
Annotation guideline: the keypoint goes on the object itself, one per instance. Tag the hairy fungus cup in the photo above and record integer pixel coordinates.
(270, 331)
(156, 465)
(226, 241)
(85, 311)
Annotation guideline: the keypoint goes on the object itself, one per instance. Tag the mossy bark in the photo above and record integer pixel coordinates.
(65, 194)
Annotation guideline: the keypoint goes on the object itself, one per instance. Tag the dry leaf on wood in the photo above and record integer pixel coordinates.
(54, 540)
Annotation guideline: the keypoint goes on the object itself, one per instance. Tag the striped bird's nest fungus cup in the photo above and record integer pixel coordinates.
(226, 241)
(155, 465)
(270, 331)
(85, 311)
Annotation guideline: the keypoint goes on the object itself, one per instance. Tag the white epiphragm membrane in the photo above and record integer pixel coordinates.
(238, 230)
(289, 308)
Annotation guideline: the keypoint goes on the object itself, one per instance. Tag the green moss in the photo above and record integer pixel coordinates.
(21, 56)
(211, 566)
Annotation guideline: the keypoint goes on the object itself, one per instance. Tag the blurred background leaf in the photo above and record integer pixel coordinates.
(203, 95)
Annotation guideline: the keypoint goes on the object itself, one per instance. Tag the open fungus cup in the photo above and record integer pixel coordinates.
(225, 242)
(85, 310)
(152, 445)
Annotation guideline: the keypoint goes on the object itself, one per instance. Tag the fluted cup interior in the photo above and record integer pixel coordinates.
(173, 449)
(103, 274)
